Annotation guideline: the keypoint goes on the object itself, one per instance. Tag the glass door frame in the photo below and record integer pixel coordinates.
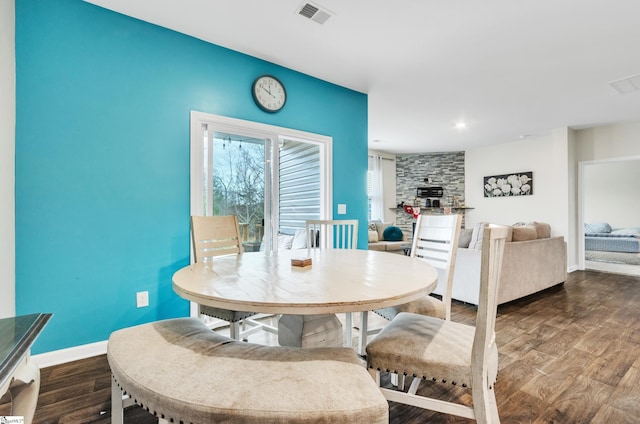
(272, 136)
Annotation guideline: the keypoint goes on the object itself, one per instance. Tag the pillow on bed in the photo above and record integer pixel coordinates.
(626, 232)
(598, 227)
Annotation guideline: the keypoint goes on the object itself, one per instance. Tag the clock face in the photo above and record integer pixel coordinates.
(269, 93)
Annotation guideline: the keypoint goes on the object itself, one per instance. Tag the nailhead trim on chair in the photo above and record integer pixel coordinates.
(434, 379)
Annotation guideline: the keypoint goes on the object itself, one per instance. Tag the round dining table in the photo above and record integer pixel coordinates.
(336, 281)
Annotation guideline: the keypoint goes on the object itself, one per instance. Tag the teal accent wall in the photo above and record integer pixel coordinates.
(102, 159)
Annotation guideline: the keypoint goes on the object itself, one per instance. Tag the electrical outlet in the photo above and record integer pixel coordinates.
(342, 209)
(142, 299)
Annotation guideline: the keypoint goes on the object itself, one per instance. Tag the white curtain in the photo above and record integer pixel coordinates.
(377, 203)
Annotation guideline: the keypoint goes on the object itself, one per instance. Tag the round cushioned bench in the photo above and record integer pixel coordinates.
(182, 372)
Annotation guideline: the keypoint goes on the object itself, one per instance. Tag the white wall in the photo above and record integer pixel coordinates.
(608, 141)
(7, 154)
(612, 193)
(388, 183)
(547, 157)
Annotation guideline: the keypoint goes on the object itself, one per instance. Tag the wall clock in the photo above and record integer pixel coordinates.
(269, 93)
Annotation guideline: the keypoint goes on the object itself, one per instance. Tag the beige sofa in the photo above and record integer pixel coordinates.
(533, 261)
(377, 241)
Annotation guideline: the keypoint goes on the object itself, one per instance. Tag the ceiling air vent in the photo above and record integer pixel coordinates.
(626, 85)
(314, 12)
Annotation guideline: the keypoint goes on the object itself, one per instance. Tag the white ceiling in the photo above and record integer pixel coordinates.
(508, 68)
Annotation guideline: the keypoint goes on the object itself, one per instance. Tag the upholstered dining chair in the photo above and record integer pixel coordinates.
(435, 240)
(446, 352)
(216, 236)
(321, 330)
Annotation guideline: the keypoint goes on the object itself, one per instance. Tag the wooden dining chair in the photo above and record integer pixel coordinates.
(321, 330)
(216, 236)
(446, 352)
(435, 241)
(332, 234)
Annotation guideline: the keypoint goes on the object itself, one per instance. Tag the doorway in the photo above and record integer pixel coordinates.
(609, 198)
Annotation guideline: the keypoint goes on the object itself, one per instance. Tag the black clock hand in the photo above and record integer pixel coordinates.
(269, 92)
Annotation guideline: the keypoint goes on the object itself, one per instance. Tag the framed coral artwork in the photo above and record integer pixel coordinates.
(509, 185)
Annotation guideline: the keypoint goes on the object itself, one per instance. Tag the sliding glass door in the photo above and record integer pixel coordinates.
(237, 181)
(271, 180)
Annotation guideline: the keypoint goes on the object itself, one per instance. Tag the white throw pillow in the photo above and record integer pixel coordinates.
(476, 235)
(299, 239)
(373, 236)
(285, 241)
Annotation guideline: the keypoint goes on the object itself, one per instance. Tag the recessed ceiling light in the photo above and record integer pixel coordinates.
(461, 125)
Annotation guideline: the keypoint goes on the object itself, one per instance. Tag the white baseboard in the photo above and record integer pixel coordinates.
(76, 353)
(572, 268)
(70, 354)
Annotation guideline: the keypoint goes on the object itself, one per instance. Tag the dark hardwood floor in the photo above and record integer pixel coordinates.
(570, 354)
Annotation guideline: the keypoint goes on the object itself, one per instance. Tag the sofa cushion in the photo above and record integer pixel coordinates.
(543, 230)
(373, 236)
(476, 236)
(465, 237)
(524, 233)
(380, 227)
(392, 233)
(392, 246)
(509, 238)
(380, 246)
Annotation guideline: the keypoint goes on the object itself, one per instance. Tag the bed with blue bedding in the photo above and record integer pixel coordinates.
(602, 237)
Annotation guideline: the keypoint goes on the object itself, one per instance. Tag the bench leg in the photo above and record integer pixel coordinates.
(117, 407)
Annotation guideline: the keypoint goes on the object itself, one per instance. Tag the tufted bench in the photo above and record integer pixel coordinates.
(182, 372)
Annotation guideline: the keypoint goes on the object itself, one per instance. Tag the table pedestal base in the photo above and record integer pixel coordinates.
(310, 331)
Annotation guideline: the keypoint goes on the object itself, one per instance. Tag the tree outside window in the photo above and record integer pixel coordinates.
(238, 183)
